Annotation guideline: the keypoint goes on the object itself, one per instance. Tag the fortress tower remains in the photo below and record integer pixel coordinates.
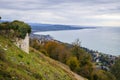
(23, 43)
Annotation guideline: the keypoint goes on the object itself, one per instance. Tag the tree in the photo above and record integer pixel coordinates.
(50, 47)
(84, 59)
(73, 63)
(115, 69)
(57, 51)
(0, 18)
(76, 49)
(102, 75)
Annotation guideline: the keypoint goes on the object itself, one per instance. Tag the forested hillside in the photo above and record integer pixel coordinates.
(74, 56)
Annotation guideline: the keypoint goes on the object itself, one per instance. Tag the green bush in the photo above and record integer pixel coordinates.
(2, 55)
(4, 75)
(37, 76)
(28, 63)
(73, 63)
(102, 75)
(15, 28)
(20, 55)
(44, 52)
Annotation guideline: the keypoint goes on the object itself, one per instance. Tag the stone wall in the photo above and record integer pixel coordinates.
(23, 43)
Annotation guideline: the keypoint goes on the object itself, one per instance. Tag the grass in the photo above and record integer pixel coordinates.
(15, 64)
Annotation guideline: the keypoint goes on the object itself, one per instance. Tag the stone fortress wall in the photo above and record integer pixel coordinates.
(23, 43)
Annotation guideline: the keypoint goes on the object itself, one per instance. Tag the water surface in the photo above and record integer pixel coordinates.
(106, 40)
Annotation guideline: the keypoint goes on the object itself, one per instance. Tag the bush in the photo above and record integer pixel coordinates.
(2, 55)
(4, 75)
(102, 75)
(85, 71)
(37, 76)
(73, 63)
(28, 63)
(15, 29)
(44, 52)
(20, 55)
(57, 51)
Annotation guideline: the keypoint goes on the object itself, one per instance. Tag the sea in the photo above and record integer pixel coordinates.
(102, 39)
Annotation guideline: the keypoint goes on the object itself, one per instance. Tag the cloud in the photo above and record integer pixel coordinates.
(74, 12)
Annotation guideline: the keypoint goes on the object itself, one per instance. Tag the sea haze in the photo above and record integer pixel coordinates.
(106, 40)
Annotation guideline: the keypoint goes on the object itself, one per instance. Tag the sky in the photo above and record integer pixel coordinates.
(68, 12)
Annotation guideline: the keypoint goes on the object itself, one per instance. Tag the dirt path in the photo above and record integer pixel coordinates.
(65, 68)
(74, 75)
(78, 77)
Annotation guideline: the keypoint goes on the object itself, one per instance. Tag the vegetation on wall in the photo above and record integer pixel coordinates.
(15, 29)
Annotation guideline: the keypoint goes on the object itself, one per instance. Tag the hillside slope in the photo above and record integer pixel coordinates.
(17, 65)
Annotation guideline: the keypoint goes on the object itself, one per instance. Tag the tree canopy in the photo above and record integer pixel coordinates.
(115, 69)
(74, 56)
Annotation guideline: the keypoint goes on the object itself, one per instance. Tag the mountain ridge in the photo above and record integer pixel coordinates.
(56, 27)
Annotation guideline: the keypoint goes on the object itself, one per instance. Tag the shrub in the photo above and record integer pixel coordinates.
(4, 75)
(16, 29)
(2, 55)
(20, 55)
(37, 76)
(102, 75)
(44, 52)
(73, 63)
(28, 63)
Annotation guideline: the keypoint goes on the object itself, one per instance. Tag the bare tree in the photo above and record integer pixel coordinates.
(0, 18)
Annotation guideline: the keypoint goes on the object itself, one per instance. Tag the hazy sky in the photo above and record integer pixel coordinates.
(73, 12)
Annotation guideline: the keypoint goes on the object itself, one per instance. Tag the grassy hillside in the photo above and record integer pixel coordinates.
(18, 65)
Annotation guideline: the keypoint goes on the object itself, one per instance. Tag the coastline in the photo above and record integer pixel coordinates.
(97, 57)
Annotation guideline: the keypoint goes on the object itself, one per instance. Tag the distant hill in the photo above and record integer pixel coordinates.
(55, 27)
